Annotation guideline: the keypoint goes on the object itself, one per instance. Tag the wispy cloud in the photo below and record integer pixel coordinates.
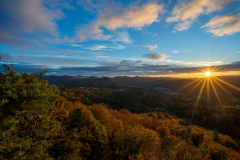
(104, 47)
(47, 60)
(186, 12)
(227, 24)
(100, 46)
(196, 63)
(76, 45)
(155, 56)
(5, 56)
(117, 36)
(238, 52)
(149, 47)
(120, 36)
(132, 17)
(93, 6)
(175, 51)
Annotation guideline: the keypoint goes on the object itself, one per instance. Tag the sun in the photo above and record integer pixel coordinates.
(208, 73)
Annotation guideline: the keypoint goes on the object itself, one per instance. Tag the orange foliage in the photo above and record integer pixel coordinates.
(163, 131)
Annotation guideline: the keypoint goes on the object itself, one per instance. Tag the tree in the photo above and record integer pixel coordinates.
(27, 120)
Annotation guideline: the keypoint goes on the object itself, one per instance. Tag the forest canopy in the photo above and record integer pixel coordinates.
(40, 121)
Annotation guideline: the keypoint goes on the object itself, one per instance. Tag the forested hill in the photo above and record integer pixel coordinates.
(76, 81)
(174, 85)
(39, 121)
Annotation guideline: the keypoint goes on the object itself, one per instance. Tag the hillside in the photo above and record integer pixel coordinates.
(181, 86)
(38, 121)
(104, 82)
(73, 81)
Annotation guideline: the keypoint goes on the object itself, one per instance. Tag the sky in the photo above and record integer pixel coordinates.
(170, 38)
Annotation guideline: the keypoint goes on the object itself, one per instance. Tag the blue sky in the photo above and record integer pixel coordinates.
(111, 38)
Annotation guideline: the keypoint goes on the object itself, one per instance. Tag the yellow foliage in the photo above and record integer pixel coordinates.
(163, 131)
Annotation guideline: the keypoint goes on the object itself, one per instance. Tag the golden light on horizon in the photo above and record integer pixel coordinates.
(208, 73)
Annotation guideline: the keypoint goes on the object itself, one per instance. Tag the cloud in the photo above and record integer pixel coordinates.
(186, 12)
(95, 33)
(175, 51)
(238, 52)
(76, 45)
(124, 67)
(132, 17)
(5, 56)
(90, 32)
(149, 47)
(93, 6)
(227, 24)
(121, 36)
(56, 4)
(116, 36)
(100, 46)
(97, 47)
(104, 47)
(155, 56)
(22, 22)
(129, 62)
(47, 60)
(72, 66)
(196, 63)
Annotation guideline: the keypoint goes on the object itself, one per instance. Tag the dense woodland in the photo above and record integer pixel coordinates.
(40, 121)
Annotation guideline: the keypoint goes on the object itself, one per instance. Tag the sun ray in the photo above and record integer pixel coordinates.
(228, 84)
(213, 69)
(205, 69)
(187, 85)
(208, 92)
(210, 82)
(221, 87)
(199, 95)
(217, 68)
(210, 68)
(216, 94)
(222, 107)
(195, 86)
(201, 69)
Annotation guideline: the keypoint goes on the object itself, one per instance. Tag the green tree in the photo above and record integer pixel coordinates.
(82, 117)
(27, 121)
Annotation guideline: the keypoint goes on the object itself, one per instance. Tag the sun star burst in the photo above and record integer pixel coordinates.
(211, 83)
(208, 73)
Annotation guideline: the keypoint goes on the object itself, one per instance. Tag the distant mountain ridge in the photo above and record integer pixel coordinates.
(96, 82)
(183, 86)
